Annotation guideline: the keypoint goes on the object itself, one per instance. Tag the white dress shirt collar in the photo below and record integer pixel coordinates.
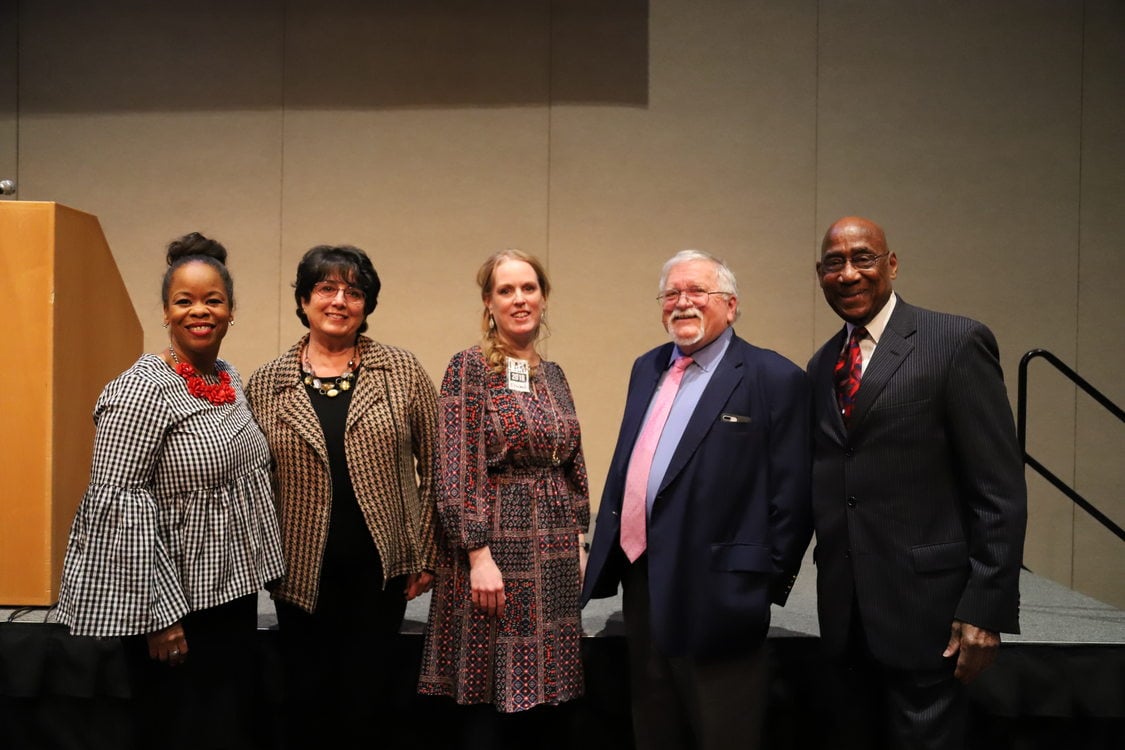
(879, 323)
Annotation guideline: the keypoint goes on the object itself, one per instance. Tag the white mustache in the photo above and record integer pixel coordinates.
(700, 329)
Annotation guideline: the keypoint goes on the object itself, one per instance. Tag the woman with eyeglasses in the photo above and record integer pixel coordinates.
(350, 423)
(504, 630)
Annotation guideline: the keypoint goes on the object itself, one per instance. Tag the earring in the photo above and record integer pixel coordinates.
(231, 322)
(166, 324)
(491, 322)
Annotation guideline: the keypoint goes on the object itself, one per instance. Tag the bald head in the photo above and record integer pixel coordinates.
(855, 227)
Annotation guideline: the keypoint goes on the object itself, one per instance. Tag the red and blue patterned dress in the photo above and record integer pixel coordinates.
(511, 476)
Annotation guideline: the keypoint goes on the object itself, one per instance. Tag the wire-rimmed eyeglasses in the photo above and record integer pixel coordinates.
(859, 261)
(328, 290)
(695, 296)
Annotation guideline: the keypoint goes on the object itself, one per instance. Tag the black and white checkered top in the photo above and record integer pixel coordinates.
(179, 514)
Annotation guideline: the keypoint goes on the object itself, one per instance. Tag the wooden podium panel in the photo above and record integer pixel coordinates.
(71, 328)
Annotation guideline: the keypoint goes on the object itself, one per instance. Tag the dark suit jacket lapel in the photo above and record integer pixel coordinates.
(825, 408)
(637, 400)
(728, 374)
(893, 349)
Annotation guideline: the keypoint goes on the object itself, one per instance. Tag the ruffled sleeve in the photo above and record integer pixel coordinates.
(118, 576)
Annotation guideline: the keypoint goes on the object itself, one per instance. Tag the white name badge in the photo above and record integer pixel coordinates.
(518, 375)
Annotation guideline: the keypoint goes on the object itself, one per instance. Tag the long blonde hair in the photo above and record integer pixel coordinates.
(495, 350)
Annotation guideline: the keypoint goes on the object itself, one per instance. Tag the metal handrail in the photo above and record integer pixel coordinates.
(1021, 429)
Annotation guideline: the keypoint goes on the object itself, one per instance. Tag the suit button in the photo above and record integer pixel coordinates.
(851, 501)
(849, 453)
(847, 554)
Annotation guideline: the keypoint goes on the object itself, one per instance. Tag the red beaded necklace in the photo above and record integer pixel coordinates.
(217, 393)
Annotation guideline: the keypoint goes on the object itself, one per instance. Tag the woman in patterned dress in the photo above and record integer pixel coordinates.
(351, 425)
(504, 625)
(177, 533)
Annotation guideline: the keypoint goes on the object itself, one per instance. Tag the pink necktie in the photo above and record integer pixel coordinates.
(633, 536)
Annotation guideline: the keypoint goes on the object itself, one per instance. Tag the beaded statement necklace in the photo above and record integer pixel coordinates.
(217, 393)
(330, 387)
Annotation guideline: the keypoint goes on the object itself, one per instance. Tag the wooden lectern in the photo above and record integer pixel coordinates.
(69, 329)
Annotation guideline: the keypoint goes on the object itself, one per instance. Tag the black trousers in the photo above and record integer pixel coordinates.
(212, 700)
(338, 663)
(685, 703)
(877, 707)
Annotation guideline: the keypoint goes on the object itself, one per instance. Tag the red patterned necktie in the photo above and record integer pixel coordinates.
(634, 536)
(848, 372)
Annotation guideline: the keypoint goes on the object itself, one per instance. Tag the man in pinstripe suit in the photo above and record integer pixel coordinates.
(919, 503)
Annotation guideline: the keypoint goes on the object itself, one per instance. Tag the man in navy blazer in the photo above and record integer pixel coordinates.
(728, 518)
(919, 503)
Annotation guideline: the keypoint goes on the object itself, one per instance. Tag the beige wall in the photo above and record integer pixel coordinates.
(984, 134)
(9, 66)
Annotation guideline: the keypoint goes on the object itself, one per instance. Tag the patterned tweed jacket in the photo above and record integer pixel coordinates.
(389, 444)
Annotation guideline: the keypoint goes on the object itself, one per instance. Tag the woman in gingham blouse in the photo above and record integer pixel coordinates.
(177, 532)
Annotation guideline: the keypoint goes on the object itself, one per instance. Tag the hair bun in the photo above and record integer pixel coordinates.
(196, 244)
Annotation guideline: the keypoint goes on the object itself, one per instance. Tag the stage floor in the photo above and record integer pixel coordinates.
(1050, 614)
(1060, 683)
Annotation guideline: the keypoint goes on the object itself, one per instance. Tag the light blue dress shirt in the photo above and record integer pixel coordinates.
(695, 380)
